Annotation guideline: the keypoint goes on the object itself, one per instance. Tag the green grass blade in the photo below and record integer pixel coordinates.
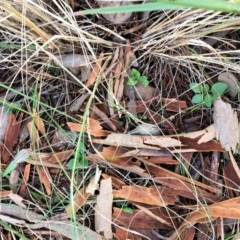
(133, 8)
(217, 5)
(10, 229)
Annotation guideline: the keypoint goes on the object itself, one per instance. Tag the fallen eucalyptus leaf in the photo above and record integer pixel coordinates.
(206, 134)
(146, 129)
(226, 124)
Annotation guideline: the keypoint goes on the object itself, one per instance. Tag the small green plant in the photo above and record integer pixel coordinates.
(136, 78)
(125, 206)
(54, 70)
(81, 155)
(204, 95)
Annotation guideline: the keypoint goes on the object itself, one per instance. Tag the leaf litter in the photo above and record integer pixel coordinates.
(155, 172)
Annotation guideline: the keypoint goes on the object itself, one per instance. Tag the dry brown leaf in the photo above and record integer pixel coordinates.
(11, 137)
(225, 209)
(174, 105)
(165, 176)
(103, 209)
(231, 176)
(190, 234)
(45, 164)
(204, 229)
(209, 135)
(116, 182)
(206, 134)
(163, 160)
(38, 122)
(95, 71)
(149, 195)
(204, 214)
(192, 145)
(123, 234)
(79, 200)
(111, 154)
(40, 156)
(162, 142)
(103, 116)
(162, 215)
(94, 128)
(139, 219)
(4, 194)
(226, 124)
(147, 153)
(26, 174)
(61, 156)
(135, 141)
(45, 178)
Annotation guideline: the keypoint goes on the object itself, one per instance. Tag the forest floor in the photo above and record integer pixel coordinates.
(120, 126)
